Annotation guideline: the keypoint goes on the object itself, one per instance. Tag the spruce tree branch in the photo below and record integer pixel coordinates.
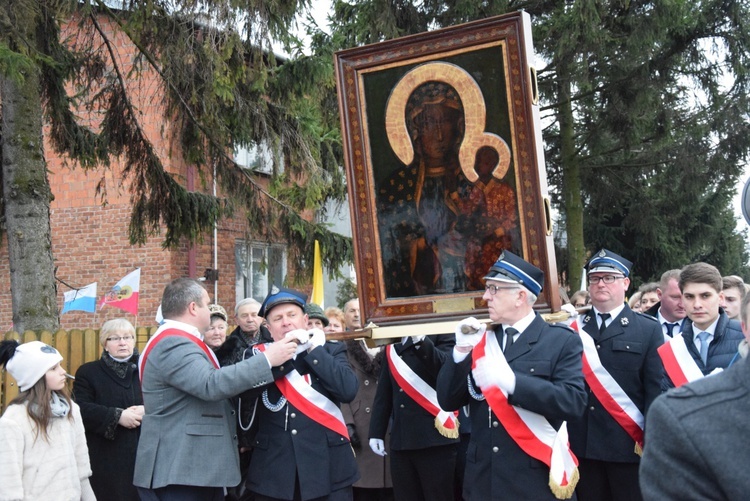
(186, 107)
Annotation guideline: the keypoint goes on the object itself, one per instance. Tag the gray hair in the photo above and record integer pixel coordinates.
(178, 295)
(247, 300)
(114, 325)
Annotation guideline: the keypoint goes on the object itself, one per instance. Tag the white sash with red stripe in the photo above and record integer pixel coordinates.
(174, 332)
(529, 430)
(310, 402)
(422, 393)
(681, 367)
(609, 393)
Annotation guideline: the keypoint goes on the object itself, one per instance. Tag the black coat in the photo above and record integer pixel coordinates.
(289, 445)
(627, 350)
(412, 427)
(546, 360)
(99, 391)
(721, 351)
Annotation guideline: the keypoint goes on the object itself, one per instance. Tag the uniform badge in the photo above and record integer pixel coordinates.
(274, 290)
(602, 253)
(624, 321)
(586, 319)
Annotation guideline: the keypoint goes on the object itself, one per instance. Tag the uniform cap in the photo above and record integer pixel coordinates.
(513, 269)
(281, 295)
(606, 261)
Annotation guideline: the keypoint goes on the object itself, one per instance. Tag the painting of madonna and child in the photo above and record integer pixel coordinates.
(444, 166)
(442, 224)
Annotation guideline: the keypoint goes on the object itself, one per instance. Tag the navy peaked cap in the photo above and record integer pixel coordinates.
(606, 261)
(511, 268)
(281, 295)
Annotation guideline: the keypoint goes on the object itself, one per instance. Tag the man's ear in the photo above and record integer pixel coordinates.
(658, 293)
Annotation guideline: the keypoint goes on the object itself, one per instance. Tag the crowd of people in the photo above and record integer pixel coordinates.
(616, 404)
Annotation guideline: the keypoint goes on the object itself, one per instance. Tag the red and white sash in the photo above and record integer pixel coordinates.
(529, 430)
(422, 393)
(174, 332)
(681, 367)
(309, 401)
(609, 393)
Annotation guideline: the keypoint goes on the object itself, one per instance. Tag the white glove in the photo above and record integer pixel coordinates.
(569, 309)
(469, 332)
(377, 446)
(317, 338)
(302, 337)
(488, 374)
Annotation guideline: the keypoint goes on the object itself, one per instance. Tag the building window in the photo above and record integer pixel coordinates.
(257, 158)
(259, 266)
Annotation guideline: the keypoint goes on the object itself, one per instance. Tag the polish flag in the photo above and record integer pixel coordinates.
(124, 294)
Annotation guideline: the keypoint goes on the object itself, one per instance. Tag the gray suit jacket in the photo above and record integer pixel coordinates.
(696, 440)
(189, 417)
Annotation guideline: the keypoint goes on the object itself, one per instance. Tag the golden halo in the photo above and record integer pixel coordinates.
(475, 113)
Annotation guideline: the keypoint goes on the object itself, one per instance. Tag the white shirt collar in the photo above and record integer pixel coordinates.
(711, 328)
(613, 313)
(175, 324)
(523, 324)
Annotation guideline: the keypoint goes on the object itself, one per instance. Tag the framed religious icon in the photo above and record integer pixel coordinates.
(445, 169)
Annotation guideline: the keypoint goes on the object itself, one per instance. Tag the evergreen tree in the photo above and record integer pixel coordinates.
(222, 87)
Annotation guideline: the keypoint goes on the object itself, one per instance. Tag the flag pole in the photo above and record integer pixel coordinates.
(317, 290)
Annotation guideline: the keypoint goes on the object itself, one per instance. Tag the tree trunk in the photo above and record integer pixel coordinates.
(571, 186)
(27, 197)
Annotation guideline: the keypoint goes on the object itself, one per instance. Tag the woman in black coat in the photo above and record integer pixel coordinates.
(109, 394)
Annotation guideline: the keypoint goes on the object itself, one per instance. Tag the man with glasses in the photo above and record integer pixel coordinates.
(623, 373)
(518, 375)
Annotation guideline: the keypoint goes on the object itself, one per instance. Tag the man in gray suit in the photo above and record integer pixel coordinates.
(188, 415)
(696, 436)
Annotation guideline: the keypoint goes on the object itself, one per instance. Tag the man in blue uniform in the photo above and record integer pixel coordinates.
(301, 449)
(523, 372)
(623, 379)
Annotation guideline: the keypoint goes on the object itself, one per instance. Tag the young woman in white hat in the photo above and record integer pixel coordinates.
(44, 454)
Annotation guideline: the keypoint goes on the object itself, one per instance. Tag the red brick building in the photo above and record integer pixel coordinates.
(90, 232)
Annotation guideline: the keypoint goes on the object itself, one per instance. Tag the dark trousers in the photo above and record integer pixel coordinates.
(424, 474)
(344, 494)
(607, 481)
(182, 493)
(373, 494)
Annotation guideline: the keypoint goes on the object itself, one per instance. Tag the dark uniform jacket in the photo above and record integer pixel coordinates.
(721, 351)
(696, 440)
(100, 392)
(412, 427)
(289, 444)
(546, 360)
(627, 350)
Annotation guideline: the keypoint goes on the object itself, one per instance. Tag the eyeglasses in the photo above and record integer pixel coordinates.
(492, 289)
(120, 338)
(607, 279)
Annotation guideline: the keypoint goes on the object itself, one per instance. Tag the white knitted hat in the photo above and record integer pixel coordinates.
(31, 362)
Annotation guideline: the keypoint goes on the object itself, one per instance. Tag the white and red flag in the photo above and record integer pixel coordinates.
(124, 294)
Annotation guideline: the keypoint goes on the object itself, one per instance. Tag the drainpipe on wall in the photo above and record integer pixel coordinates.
(216, 247)
(191, 249)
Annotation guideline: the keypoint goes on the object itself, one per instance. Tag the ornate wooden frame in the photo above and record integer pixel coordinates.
(375, 80)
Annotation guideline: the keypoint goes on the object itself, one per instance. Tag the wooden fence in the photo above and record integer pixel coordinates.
(76, 347)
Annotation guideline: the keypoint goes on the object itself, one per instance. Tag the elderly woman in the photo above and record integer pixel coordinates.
(336, 320)
(109, 394)
(217, 331)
